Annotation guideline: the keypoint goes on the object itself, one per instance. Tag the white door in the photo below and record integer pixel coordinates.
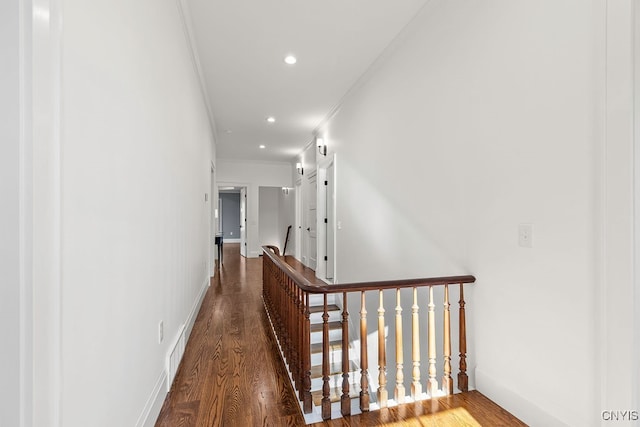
(298, 230)
(312, 227)
(212, 197)
(330, 221)
(243, 222)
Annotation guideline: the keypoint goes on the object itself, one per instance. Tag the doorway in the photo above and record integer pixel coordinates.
(232, 212)
(298, 221)
(329, 223)
(326, 221)
(215, 213)
(243, 221)
(311, 219)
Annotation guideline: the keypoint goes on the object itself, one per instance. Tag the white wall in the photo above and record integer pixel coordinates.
(619, 364)
(482, 116)
(136, 164)
(276, 213)
(268, 215)
(286, 218)
(253, 175)
(10, 391)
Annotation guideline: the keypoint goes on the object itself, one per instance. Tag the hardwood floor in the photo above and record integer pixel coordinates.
(232, 375)
(469, 409)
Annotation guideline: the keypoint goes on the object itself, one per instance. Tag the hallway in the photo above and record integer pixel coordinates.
(231, 374)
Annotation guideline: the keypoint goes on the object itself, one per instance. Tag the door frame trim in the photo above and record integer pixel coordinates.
(321, 206)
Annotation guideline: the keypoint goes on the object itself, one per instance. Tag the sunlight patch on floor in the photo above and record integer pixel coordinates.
(447, 417)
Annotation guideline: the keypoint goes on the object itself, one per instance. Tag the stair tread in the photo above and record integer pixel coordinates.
(335, 394)
(320, 308)
(317, 327)
(334, 368)
(333, 345)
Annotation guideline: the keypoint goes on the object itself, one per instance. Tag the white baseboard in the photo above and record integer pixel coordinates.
(513, 402)
(154, 403)
(191, 319)
(231, 240)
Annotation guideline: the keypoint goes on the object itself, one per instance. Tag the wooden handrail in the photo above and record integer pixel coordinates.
(312, 288)
(271, 248)
(286, 296)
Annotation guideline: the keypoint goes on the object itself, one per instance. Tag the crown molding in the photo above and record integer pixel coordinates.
(187, 26)
(260, 162)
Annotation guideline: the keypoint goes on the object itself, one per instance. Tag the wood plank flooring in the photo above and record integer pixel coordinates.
(232, 375)
(470, 409)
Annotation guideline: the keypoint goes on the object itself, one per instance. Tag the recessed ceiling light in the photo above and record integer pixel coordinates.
(290, 59)
(263, 146)
(271, 119)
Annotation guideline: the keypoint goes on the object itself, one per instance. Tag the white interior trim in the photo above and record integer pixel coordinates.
(25, 52)
(615, 295)
(46, 85)
(321, 213)
(154, 404)
(156, 399)
(213, 221)
(335, 218)
(191, 319)
(187, 23)
(636, 208)
(324, 163)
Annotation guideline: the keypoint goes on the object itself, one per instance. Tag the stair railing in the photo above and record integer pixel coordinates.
(286, 297)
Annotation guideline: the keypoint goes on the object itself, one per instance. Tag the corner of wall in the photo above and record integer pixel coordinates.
(154, 403)
(522, 408)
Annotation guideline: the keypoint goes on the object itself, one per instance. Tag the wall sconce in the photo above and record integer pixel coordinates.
(299, 168)
(322, 146)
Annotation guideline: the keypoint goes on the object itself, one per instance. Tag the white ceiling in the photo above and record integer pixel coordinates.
(241, 45)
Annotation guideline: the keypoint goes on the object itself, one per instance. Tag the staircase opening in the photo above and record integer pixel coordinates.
(350, 348)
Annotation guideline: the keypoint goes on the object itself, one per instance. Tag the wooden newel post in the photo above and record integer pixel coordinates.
(463, 380)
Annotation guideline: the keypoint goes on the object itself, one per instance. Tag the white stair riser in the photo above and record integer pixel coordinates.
(335, 381)
(334, 316)
(318, 299)
(335, 356)
(334, 335)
